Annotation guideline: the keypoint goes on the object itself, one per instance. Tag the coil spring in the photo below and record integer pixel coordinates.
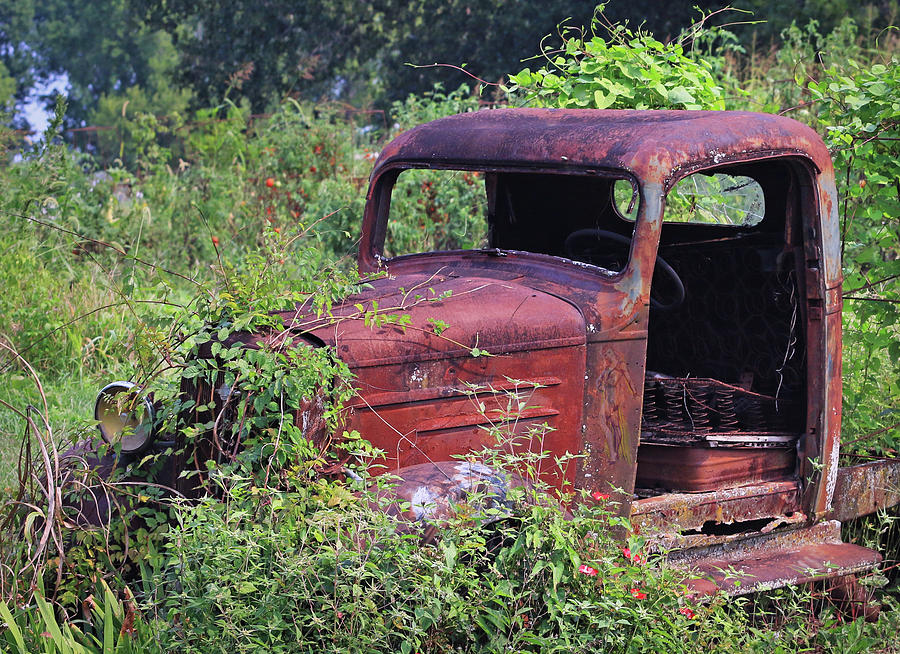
(673, 395)
(728, 420)
(698, 409)
(754, 417)
(651, 415)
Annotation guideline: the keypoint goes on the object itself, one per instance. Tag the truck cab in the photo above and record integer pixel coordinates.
(659, 291)
(663, 290)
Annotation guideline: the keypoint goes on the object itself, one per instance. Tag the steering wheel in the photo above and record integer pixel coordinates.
(582, 245)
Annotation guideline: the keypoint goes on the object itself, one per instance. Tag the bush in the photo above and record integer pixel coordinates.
(618, 68)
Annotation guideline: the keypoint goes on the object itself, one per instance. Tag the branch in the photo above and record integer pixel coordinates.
(459, 68)
(874, 433)
(871, 299)
(869, 285)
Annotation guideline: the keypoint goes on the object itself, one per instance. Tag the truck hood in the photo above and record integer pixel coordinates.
(415, 317)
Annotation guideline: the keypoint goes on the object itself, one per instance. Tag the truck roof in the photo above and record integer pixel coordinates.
(654, 145)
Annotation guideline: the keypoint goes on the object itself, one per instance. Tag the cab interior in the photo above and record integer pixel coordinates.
(724, 397)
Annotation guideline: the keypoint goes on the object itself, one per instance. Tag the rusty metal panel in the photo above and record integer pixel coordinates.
(681, 512)
(652, 144)
(866, 488)
(702, 468)
(771, 560)
(611, 427)
(475, 311)
(440, 409)
(777, 568)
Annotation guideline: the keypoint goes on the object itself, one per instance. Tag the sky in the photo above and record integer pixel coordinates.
(33, 108)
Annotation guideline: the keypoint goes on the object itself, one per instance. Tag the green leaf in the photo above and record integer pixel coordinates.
(12, 628)
(603, 101)
(523, 78)
(680, 95)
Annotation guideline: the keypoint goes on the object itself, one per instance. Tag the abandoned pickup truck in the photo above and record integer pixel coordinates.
(663, 291)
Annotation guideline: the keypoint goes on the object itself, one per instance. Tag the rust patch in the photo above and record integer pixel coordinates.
(766, 561)
(866, 488)
(678, 512)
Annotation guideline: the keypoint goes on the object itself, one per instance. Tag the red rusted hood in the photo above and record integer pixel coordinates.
(413, 317)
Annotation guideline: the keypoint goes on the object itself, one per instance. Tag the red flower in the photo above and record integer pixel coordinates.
(636, 594)
(312, 169)
(597, 495)
(215, 240)
(635, 558)
(270, 182)
(587, 570)
(687, 612)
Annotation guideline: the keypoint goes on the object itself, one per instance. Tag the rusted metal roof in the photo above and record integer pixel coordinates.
(654, 145)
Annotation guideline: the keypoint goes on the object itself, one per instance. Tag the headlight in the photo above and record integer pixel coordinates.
(125, 417)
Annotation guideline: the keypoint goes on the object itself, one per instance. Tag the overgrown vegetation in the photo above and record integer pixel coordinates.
(204, 227)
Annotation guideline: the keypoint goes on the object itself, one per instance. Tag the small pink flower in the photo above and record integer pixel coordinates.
(626, 553)
(597, 495)
(636, 594)
(687, 612)
(587, 570)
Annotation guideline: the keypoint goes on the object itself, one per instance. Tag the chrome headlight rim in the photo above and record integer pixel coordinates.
(112, 421)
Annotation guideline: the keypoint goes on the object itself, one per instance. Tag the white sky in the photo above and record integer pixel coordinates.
(33, 108)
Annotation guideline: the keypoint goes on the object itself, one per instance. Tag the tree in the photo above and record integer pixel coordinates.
(267, 49)
(16, 57)
(104, 48)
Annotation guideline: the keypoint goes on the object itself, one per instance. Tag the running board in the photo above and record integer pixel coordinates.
(785, 559)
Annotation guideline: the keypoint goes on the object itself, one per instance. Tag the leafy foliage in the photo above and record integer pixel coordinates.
(858, 105)
(626, 69)
(111, 626)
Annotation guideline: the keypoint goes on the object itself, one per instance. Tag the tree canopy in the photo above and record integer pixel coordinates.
(164, 56)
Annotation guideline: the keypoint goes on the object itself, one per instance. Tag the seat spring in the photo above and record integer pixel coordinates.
(754, 416)
(651, 415)
(673, 394)
(728, 420)
(698, 409)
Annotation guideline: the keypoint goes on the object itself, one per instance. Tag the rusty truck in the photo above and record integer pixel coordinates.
(662, 289)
